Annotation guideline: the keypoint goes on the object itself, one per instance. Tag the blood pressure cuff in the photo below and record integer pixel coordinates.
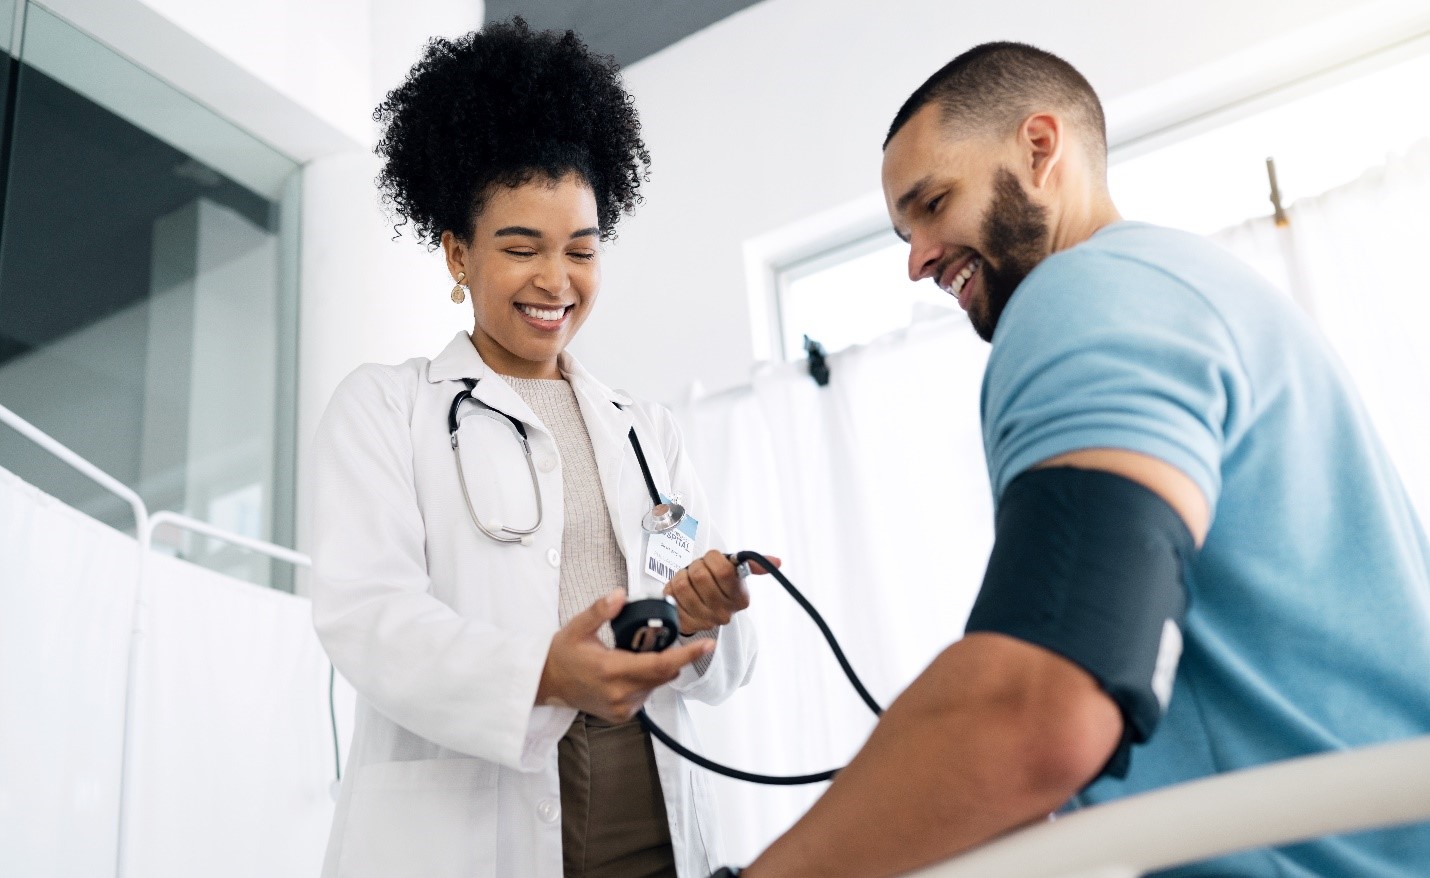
(1090, 565)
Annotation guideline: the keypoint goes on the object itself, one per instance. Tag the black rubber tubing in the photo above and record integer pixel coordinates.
(769, 779)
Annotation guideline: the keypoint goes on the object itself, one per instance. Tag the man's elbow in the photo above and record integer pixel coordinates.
(1049, 734)
(1058, 749)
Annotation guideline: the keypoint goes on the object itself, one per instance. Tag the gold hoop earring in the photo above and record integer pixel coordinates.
(459, 292)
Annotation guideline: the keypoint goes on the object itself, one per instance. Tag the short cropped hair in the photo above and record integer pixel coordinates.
(992, 88)
(503, 107)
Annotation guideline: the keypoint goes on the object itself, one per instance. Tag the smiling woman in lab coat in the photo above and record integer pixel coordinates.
(494, 727)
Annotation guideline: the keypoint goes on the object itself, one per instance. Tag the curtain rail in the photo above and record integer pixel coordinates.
(145, 523)
(184, 522)
(89, 470)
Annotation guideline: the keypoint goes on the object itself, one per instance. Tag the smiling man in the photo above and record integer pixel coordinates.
(1204, 559)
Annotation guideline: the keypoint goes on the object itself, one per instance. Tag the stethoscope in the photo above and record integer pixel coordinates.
(643, 625)
(646, 624)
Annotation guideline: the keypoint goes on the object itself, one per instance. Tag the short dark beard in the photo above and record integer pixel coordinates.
(1015, 236)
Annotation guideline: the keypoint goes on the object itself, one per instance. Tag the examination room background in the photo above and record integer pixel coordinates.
(191, 257)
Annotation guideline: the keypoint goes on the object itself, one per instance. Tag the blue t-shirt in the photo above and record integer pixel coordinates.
(1308, 626)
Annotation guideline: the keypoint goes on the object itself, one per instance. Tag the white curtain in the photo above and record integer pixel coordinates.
(1354, 257)
(874, 490)
(233, 752)
(67, 591)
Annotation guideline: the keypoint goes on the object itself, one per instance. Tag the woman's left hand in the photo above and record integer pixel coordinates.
(710, 592)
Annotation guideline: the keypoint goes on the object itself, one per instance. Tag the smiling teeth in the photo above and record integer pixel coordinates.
(540, 313)
(955, 286)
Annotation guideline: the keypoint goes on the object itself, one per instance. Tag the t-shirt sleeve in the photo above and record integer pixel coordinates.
(1098, 350)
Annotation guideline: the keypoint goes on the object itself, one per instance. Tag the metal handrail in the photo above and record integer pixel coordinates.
(1281, 803)
(94, 473)
(184, 522)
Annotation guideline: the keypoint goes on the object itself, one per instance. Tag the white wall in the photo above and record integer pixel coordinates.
(772, 120)
(279, 70)
(366, 297)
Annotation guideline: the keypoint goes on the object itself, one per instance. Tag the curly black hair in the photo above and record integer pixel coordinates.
(503, 106)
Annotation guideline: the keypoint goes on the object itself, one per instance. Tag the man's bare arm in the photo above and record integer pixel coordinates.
(996, 733)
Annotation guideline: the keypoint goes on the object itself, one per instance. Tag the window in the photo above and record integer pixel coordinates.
(1322, 134)
(148, 297)
(852, 295)
(1203, 176)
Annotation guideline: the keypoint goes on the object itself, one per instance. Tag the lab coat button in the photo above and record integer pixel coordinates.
(553, 557)
(548, 811)
(546, 463)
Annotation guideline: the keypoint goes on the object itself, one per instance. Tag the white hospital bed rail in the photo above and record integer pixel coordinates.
(1270, 805)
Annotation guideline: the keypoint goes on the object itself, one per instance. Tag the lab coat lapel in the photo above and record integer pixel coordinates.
(498, 394)
(460, 360)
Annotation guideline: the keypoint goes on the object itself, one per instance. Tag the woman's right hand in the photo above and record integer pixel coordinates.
(584, 673)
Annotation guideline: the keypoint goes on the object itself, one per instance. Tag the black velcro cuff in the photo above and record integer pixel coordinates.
(1090, 565)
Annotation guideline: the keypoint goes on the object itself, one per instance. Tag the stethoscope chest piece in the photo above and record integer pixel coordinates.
(662, 517)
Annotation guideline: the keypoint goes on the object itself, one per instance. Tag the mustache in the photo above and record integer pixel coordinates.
(950, 260)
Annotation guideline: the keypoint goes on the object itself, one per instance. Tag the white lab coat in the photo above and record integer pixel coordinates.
(443, 632)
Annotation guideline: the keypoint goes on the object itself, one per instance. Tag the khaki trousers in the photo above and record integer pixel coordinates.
(613, 821)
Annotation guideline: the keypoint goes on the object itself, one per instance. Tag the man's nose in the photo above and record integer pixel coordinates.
(924, 257)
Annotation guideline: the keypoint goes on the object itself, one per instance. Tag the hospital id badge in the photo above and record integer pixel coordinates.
(672, 551)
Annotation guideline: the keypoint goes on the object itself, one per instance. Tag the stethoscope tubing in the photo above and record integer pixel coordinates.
(745, 557)
(503, 533)
(515, 534)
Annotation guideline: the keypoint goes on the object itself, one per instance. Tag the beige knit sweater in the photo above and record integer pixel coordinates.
(591, 559)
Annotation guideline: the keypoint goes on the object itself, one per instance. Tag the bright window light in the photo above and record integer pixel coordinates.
(853, 295)
(1322, 140)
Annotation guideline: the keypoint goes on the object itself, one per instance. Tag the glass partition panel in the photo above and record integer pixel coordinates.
(147, 296)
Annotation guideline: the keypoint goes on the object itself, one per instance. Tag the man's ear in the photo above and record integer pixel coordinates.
(1041, 137)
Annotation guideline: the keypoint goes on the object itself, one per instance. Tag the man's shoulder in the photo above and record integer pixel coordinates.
(1131, 275)
(1141, 250)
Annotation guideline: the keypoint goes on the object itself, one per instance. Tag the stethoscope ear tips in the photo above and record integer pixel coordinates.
(527, 540)
(334, 788)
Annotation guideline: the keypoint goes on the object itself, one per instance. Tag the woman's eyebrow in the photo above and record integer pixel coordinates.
(524, 232)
